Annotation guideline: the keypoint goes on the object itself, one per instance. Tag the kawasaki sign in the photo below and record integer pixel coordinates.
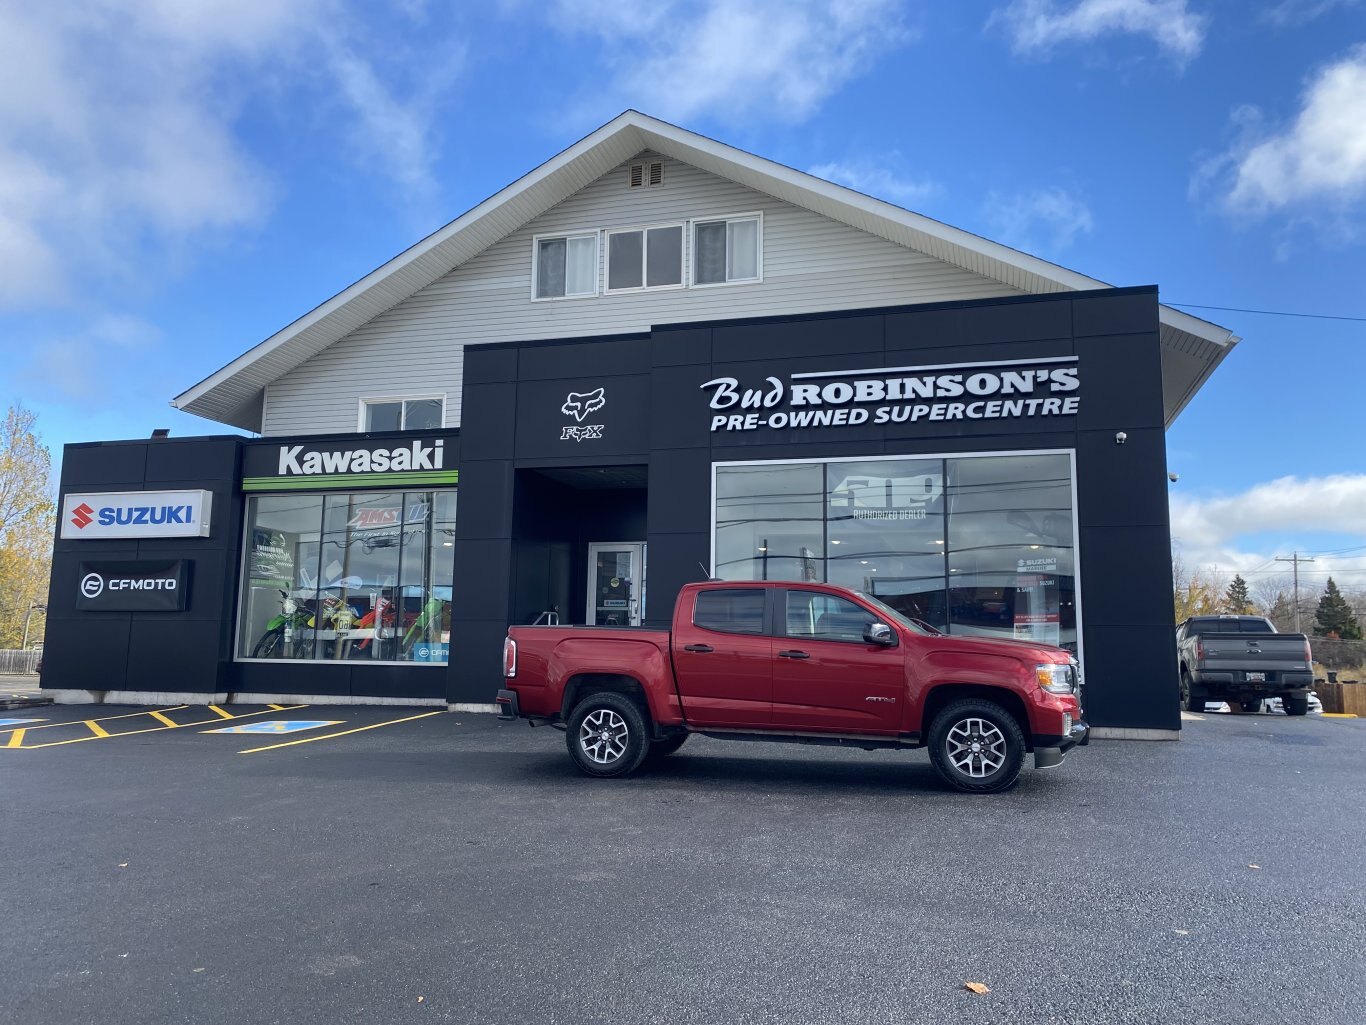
(349, 462)
(132, 514)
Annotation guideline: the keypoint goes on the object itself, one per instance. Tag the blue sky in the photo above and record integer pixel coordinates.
(180, 179)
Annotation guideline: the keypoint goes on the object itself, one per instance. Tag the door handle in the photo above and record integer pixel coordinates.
(700, 648)
(794, 654)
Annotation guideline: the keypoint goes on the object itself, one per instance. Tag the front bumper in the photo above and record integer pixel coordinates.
(1049, 750)
(509, 708)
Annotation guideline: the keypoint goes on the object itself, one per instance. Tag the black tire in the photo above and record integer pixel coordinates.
(1295, 705)
(269, 644)
(1189, 701)
(607, 735)
(1251, 706)
(663, 748)
(976, 721)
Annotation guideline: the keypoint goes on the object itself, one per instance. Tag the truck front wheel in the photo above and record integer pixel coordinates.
(607, 735)
(977, 746)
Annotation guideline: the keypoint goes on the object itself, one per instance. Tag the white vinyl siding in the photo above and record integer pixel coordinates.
(810, 264)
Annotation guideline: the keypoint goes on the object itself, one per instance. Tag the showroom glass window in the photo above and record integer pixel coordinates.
(970, 545)
(348, 577)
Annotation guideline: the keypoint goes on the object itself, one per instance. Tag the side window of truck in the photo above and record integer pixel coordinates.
(738, 611)
(825, 617)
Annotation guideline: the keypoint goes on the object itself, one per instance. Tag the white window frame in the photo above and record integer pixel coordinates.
(607, 233)
(403, 412)
(536, 240)
(754, 215)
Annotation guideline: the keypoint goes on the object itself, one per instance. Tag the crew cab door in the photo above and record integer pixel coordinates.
(723, 658)
(826, 676)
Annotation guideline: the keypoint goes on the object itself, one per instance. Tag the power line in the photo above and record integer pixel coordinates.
(1265, 313)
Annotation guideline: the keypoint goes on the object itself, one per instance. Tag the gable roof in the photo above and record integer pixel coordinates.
(1192, 347)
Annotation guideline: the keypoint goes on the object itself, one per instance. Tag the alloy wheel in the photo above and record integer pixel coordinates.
(603, 735)
(975, 747)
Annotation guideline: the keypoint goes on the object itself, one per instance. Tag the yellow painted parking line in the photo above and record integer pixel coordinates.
(96, 728)
(161, 718)
(219, 711)
(103, 718)
(17, 737)
(278, 708)
(1339, 715)
(342, 733)
(154, 729)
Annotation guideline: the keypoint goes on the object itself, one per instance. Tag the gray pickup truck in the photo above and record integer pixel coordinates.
(1244, 661)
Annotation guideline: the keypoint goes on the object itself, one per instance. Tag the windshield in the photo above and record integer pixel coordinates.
(914, 625)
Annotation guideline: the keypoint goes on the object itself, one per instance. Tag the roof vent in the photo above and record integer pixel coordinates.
(645, 175)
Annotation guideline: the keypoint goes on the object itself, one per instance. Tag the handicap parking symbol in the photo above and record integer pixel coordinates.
(279, 726)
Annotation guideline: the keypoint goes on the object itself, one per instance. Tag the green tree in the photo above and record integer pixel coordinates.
(27, 517)
(1334, 616)
(1237, 601)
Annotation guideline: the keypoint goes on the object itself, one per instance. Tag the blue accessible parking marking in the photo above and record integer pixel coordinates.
(19, 722)
(279, 726)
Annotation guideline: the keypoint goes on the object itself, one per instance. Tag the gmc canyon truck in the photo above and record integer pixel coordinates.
(796, 662)
(1244, 661)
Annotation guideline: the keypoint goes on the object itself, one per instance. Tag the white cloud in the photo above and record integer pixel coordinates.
(1320, 155)
(1037, 26)
(1039, 220)
(777, 59)
(875, 181)
(120, 134)
(1293, 13)
(1244, 533)
(1334, 504)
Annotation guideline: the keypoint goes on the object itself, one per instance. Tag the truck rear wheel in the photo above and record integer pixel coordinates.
(977, 746)
(1295, 705)
(1189, 701)
(607, 735)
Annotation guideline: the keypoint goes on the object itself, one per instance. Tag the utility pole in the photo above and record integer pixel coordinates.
(1297, 558)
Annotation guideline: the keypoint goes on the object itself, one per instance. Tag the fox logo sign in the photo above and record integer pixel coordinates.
(580, 404)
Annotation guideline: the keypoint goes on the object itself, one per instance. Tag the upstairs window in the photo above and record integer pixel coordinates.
(426, 413)
(566, 266)
(645, 258)
(727, 250)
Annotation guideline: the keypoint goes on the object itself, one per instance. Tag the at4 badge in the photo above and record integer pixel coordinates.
(580, 405)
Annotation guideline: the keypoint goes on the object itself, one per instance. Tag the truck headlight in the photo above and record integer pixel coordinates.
(1054, 677)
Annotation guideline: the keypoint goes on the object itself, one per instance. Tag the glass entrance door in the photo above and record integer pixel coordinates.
(616, 584)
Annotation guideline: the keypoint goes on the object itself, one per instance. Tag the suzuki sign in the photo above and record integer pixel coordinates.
(133, 514)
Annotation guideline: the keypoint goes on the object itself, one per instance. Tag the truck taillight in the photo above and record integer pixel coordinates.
(1308, 654)
(1200, 651)
(509, 657)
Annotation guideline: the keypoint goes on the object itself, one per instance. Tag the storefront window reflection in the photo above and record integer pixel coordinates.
(360, 576)
(769, 522)
(970, 545)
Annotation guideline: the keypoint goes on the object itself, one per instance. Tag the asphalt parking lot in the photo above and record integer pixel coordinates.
(451, 868)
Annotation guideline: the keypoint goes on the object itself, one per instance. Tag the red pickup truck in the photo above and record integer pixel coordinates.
(802, 663)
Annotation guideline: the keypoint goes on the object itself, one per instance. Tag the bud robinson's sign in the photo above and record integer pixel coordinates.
(1006, 389)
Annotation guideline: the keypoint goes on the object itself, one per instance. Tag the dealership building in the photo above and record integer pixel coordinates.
(652, 360)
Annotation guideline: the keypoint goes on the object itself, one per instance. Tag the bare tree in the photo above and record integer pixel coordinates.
(27, 516)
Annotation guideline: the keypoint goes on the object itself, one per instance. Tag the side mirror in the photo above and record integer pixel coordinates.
(879, 633)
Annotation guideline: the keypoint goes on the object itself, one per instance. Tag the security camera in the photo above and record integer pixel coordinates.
(1121, 438)
(1173, 477)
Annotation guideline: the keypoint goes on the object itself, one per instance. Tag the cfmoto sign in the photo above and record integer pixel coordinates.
(142, 585)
